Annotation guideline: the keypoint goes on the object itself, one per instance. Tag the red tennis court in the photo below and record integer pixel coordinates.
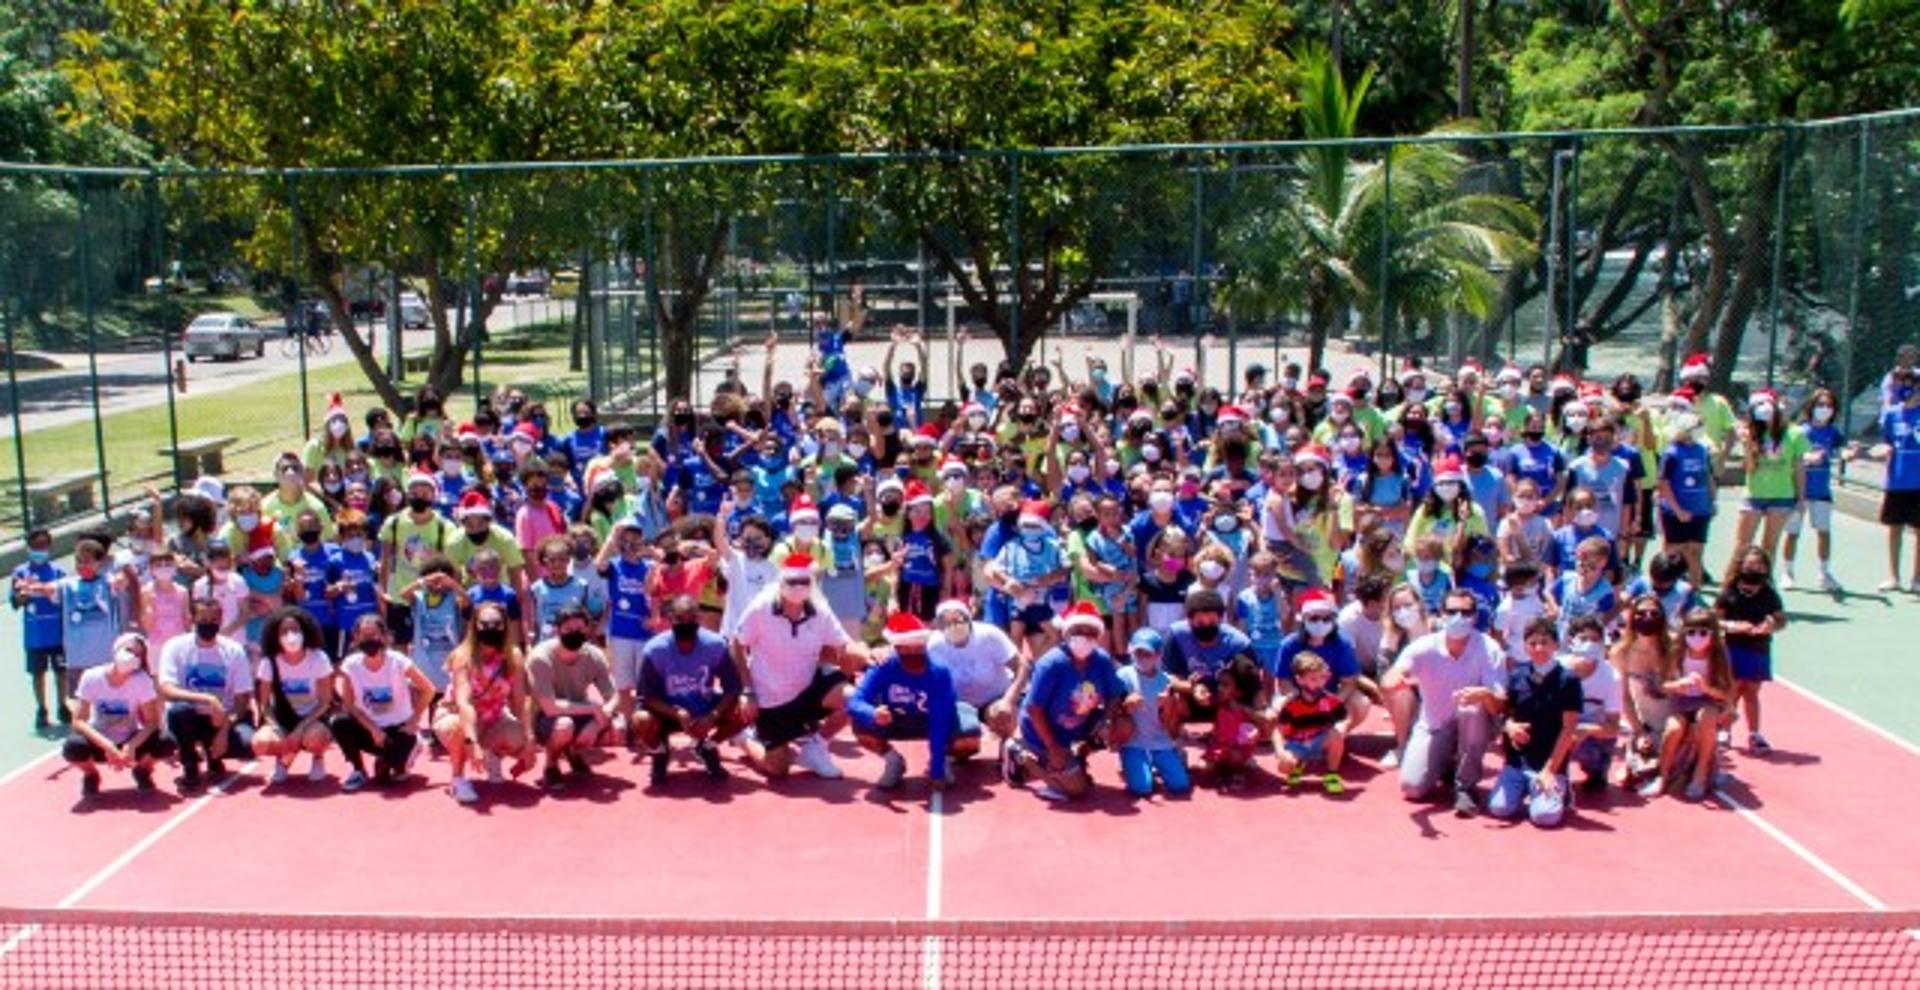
(1799, 871)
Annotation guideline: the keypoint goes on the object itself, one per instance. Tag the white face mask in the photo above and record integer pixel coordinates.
(1447, 490)
(856, 450)
(1317, 627)
(1586, 649)
(1070, 432)
(1339, 414)
(1458, 626)
(1586, 518)
(1213, 570)
(1576, 423)
(1312, 480)
(337, 428)
(1078, 473)
(959, 633)
(1416, 395)
(1150, 452)
(1278, 415)
(1080, 646)
(126, 661)
(1160, 501)
(875, 561)
(1452, 409)
(1762, 413)
(806, 532)
(1350, 445)
(1406, 616)
(292, 640)
(1823, 415)
(162, 575)
(956, 483)
(977, 421)
(1509, 392)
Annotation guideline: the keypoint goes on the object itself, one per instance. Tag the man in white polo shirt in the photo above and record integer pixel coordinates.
(1461, 674)
(795, 658)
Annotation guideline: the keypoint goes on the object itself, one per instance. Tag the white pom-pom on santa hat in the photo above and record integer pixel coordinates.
(1082, 617)
(906, 629)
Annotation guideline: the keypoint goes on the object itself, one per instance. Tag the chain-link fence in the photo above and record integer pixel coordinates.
(162, 324)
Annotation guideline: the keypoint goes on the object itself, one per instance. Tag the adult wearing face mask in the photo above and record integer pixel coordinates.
(1718, 424)
(907, 697)
(117, 719)
(792, 651)
(989, 673)
(687, 685)
(384, 697)
(334, 443)
(1774, 455)
(1320, 512)
(574, 702)
(1532, 458)
(1449, 511)
(1197, 649)
(1604, 473)
(208, 687)
(291, 497)
(1075, 689)
(1461, 675)
(1319, 633)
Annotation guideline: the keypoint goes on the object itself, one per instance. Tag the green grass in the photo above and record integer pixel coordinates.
(265, 415)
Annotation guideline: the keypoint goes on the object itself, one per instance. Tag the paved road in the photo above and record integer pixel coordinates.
(138, 381)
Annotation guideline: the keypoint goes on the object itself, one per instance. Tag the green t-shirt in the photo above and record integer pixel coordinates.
(460, 547)
(1773, 471)
(285, 513)
(407, 544)
(1445, 527)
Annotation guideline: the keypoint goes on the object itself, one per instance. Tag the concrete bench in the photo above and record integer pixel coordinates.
(63, 494)
(415, 364)
(200, 456)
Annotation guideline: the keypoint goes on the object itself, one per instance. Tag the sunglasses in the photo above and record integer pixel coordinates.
(1464, 612)
(798, 582)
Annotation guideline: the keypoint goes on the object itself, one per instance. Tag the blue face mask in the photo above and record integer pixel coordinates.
(38, 556)
(1479, 570)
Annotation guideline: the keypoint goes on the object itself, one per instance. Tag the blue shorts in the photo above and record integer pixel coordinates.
(1312, 748)
(1751, 663)
(41, 659)
(1769, 504)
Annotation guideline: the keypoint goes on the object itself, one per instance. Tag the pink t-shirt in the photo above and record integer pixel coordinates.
(166, 612)
(534, 523)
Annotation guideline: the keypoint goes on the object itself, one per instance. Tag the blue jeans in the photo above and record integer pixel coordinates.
(1139, 766)
(1515, 789)
(1460, 745)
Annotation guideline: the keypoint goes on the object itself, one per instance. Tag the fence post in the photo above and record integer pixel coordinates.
(155, 216)
(1571, 231)
(1193, 280)
(1787, 133)
(296, 318)
(13, 401)
(93, 348)
(1386, 258)
(653, 318)
(474, 326)
(1018, 263)
(1853, 279)
(833, 225)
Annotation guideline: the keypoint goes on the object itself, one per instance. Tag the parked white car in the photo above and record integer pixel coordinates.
(413, 310)
(222, 335)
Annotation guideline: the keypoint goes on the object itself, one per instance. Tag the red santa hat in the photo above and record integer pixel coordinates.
(953, 465)
(803, 509)
(1082, 617)
(906, 629)
(474, 503)
(1316, 379)
(1471, 367)
(972, 409)
(1449, 468)
(795, 566)
(890, 483)
(1312, 453)
(1682, 398)
(1233, 414)
(337, 407)
(1034, 509)
(1510, 373)
(917, 494)
(1695, 366)
(525, 430)
(926, 436)
(1314, 597)
(1563, 383)
(419, 477)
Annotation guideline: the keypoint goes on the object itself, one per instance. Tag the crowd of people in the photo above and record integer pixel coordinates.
(1502, 560)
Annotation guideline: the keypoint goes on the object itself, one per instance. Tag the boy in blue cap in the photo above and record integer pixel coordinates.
(1151, 751)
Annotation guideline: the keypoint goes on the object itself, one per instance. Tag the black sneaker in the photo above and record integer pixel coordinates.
(657, 769)
(709, 755)
(90, 785)
(64, 715)
(41, 723)
(143, 781)
(577, 766)
(189, 776)
(1010, 769)
(382, 773)
(552, 779)
(216, 770)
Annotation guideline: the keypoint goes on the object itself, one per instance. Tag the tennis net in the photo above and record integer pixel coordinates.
(94, 949)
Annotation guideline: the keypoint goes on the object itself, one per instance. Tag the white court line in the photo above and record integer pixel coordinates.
(936, 855)
(22, 770)
(1850, 716)
(124, 859)
(1806, 855)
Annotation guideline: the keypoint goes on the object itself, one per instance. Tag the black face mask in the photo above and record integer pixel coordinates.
(672, 558)
(683, 420)
(686, 632)
(979, 381)
(419, 504)
(536, 493)
(480, 537)
(1087, 525)
(1646, 626)
(584, 422)
(1477, 458)
(373, 646)
(491, 637)
(206, 630)
(890, 508)
(1533, 437)
(573, 640)
(310, 536)
(1206, 634)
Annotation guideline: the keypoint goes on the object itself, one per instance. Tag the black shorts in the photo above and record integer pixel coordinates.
(80, 749)
(543, 725)
(1197, 712)
(1693, 530)
(801, 716)
(399, 624)
(1643, 518)
(1900, 508)
(45, 658)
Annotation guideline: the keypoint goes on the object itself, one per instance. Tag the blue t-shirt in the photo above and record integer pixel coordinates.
(1829, 442)
(91, 617)
(1567, 540)
(321, 570)
(1687, 468)
(833, 356)
(1071, 698)
(1025, 564)
(627, 607)
(585, 445)
(1541, 463)
(694, 679)
(1260, 617)
(1186, 656)
(702, 488)
(1143, 529)
(1489, 490)
(268, 585)
(1902, 426)
(496, 594)
(1676, 601)
(1335, 650)
(550, 598)
(358, 569)
(1606, 478)
(921, 705)
(40, 626)
(926, 548)
(1574, 603)
(907, 401)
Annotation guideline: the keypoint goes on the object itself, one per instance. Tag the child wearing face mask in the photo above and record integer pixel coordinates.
(351, 579)
(1525, 536)
(90, 613)
(1826, 447)
(1751, 613)
(1520, 604)
(1584, 590)
(1430, 576)
(1699, 681)
(1027, 570)
(438, 603)
(41, 625)
(1165, 579)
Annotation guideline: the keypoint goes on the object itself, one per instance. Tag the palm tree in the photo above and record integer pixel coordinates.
(1317, 244)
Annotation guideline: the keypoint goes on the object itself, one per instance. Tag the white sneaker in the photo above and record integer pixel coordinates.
(1391, 760)
(494, 774)
(1890, 584)
(1786, 581)
(279, 773)
(318, 771)
(896, 768)
(1829, 584)
(1048, 792)
(813, 756)
(462, 790)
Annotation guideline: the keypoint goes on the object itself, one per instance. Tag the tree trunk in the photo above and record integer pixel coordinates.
(692, 260)
(1707, 208)
(1754, 273)
(1463, 80)
(1335, 30)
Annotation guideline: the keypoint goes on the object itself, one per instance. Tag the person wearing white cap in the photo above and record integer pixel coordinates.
(792, 651)
(989, 672)
(116, 719)
(1075, 688)
(907, 697)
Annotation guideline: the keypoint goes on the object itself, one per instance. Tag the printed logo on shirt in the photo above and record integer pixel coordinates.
(377, 699)
(902, 696)
(206, 677)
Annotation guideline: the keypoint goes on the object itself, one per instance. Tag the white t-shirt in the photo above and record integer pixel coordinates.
(1513, 615)
(1600, 693)
(116, 709)
(1364, 633)
(387, 693)
(301, 681)
(220, 670)
(783, 655)
(230, 592)
(982, 669)
(745, 580)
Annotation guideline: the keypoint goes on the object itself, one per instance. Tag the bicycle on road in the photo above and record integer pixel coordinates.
(315, 344)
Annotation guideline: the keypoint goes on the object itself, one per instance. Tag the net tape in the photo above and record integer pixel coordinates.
(169, 949)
